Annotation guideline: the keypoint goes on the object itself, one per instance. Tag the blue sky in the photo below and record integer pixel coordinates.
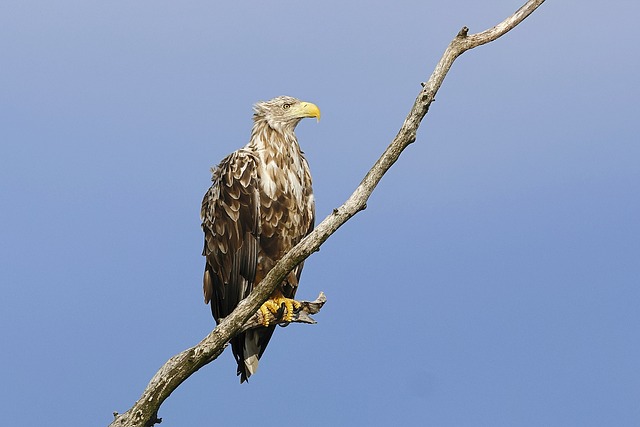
(493, 280)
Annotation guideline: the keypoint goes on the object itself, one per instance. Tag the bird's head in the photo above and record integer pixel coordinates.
(284, 112)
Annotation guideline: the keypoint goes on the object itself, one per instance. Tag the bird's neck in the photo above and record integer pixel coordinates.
(265, 140)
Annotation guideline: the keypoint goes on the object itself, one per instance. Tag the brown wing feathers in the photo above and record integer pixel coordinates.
(230, 212)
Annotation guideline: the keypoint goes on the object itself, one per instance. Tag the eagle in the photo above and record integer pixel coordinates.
(259, 206)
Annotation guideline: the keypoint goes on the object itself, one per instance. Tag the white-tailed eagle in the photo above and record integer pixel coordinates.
(259, 206)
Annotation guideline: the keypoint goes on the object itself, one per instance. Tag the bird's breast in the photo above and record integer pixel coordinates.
(286, 204)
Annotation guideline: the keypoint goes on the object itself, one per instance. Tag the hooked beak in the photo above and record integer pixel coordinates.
(308, 109)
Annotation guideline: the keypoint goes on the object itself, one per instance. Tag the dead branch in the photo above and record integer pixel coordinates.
(180, 367)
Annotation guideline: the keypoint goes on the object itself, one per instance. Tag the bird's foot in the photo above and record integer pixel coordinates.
(274, 305)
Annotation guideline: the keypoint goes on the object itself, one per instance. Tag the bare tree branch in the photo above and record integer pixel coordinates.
(183, 365)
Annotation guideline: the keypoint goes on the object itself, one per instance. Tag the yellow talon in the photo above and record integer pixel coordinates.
(288, 305)
(264, 311)
(273, 305)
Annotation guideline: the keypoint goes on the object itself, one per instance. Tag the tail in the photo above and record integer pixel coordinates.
(248, 348)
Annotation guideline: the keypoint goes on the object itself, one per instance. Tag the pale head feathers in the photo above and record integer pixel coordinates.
(284, 112)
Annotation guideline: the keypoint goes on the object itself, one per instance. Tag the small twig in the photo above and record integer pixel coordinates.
(153, 420)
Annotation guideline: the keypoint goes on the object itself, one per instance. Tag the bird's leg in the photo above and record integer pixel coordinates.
(273, 305)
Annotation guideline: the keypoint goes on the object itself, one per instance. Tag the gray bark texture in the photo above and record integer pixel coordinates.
(178, 368)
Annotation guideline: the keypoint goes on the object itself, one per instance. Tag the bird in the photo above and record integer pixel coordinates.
(259, 206)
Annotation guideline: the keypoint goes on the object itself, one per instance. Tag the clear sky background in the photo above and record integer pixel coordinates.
(494, 279)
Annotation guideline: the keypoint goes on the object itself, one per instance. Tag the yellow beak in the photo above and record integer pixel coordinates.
(308, 109)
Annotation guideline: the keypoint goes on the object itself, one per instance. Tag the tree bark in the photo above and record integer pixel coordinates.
(180, 367)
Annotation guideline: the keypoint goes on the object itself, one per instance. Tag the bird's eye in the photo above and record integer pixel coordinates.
(286, 106)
